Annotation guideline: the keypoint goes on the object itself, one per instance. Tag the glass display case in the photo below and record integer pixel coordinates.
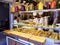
(48, 27)
(26, 24)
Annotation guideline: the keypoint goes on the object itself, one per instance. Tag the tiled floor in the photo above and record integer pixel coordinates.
(2, 39)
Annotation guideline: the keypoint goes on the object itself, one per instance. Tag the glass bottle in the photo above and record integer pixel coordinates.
(40, 5)
(31, 6)
(12, 9)
(53, 4)
(27, 6)
(23, 6)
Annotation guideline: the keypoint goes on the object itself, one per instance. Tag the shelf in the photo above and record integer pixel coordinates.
(46, 10)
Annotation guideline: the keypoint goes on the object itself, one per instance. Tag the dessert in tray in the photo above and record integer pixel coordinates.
(41, 33)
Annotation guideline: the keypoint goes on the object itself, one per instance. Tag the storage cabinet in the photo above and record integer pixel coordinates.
(19, 43)
(11, 42)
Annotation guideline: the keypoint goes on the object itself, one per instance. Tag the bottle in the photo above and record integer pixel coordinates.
(12, 9)
(40, 5)
(27, 6)
(22, 7)
(16, 9)
(53, 4)
(48, 5)
(31, 6)
(19, 6)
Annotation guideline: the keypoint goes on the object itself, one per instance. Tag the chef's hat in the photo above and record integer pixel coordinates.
(59, 2)
(34, 13)
(24, 1)
(40, 13)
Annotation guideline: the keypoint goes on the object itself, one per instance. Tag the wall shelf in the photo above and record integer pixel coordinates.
(46, 10)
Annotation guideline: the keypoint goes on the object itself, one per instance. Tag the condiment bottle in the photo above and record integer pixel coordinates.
(27, 6)
(48, 5)
(31, 6)
(40, 6)
(53, 4)
(23, 6)
(12, 9)
(16, 9)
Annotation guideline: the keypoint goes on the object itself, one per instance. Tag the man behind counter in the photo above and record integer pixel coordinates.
(15, 22)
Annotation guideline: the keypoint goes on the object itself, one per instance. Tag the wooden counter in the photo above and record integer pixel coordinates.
(27, 37)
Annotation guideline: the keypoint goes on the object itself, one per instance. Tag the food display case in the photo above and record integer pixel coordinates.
(33, 33)
(29, 33)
